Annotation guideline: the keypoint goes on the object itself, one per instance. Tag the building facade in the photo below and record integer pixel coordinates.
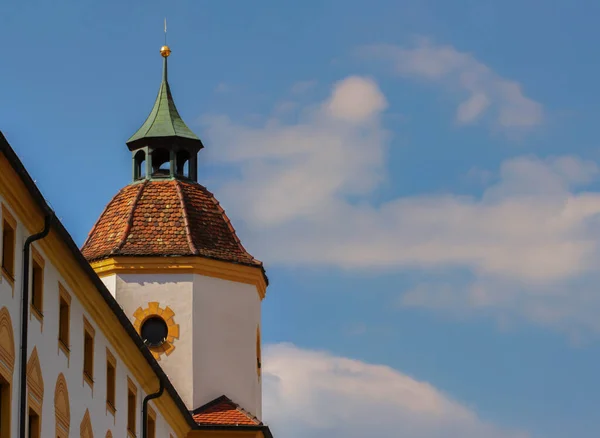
(152, 329)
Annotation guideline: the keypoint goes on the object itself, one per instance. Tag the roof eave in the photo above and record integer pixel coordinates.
(232, 427)
(156, 141)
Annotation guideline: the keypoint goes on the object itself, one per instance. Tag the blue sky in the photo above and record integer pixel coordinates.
(420, 178)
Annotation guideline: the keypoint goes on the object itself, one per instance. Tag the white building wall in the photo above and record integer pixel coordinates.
(53, 361)
(218, 319)
(175, 291)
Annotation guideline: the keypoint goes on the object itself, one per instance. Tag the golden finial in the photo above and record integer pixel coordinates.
(165, 51)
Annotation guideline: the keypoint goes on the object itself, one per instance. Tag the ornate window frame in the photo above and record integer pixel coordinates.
(154, 310)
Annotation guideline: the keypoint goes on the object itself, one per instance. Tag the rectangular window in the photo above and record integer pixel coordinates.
(88, 352)
(131, 406)
(37, 282)
(34, 424)
(4, 408)
(9, 228)
(111, 371)
(151, 423)
(64, 319)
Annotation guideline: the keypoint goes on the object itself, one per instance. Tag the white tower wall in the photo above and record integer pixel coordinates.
(218, 319)
(226, 318)
(176, 291)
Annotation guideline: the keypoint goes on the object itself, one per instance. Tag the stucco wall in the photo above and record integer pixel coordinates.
(110, 281)
(44, 337)
(216, 352)
(226, 317)
(174, 291)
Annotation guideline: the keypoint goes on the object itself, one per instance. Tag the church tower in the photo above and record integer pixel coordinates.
(166, 250)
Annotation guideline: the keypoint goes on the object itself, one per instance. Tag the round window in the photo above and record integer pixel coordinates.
(154, 331)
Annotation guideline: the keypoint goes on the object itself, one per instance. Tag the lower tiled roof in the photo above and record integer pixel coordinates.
(224, 412)
(165, 218)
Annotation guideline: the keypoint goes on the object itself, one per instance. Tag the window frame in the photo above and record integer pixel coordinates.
(64, 344)
(37, 433)
(88, 371)
(111, 361)
(5, 405)
(8, 221)
(151, 423)
(131, 410)
(36, 289)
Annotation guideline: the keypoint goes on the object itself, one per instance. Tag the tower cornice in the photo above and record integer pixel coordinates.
(183, 265)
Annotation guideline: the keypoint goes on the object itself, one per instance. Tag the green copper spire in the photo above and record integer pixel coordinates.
(164, 124)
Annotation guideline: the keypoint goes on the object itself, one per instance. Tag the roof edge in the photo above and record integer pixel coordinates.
(226, 427)
(224, 398)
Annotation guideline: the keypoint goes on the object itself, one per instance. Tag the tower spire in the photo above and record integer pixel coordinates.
(164, 124)
(164, 136)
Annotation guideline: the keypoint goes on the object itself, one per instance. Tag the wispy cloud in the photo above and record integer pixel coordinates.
(304, 189)
(483, 91)
(316, 394)
(296, 180)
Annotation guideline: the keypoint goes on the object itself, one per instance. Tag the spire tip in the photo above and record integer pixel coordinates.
(165, 51)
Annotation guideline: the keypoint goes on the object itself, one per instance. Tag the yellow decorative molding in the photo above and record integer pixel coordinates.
(7, 365)
(85, 428)
(37, 257)
(183, 265)
(7, 345)
(62, 408)
(8, 217)
(17, 196)
(35, 382)
(168, 316)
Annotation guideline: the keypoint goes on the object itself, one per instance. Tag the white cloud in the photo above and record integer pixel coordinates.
(470, 110)
(570, 306)
(486, 91)
(316, 394)
(356, 99)
(296, 179)
(303, 188)
(300, 168)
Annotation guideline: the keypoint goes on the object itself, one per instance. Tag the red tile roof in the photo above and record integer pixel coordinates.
(165, 218)
(223, 411)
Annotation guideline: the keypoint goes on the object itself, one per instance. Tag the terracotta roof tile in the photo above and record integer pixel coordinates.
(165, 218)
(223, 411)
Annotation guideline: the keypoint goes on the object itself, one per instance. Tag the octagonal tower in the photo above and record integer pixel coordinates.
(167, 251)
